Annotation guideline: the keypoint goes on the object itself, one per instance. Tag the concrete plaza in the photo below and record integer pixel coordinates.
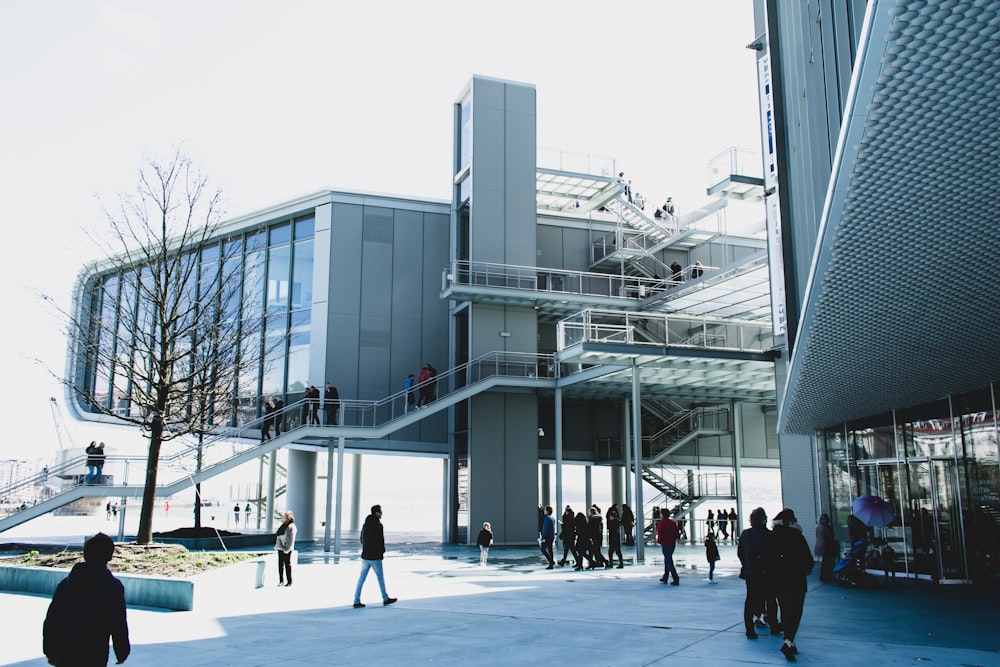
(451, 611)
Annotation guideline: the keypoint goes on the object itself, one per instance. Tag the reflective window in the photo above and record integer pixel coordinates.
(298, 351)
(305, 228)
(302, 275)
(279, 234)
(272, 377)
(465, 133)
(278, 260)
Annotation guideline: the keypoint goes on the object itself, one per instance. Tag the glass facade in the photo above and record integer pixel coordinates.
(261, 280)
(937, 467)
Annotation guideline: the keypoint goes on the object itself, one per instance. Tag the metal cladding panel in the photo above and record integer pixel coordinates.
(901, 302)
(343, 333)
(407, 290)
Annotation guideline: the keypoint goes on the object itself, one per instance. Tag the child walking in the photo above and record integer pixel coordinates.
(485, 541)
(712, 554)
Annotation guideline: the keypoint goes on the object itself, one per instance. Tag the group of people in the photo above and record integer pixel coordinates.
(677, 271)
(668, 211)
(422, 389)
(330, 402)
(582, 536)
(775, 564)
(246, 510)
(723, 524)
(95, 462)
(111, 510)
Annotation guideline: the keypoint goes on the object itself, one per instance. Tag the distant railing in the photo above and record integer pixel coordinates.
(734, 161)
(579, 163)
(663, 329)
(179, 458)
(556, 281)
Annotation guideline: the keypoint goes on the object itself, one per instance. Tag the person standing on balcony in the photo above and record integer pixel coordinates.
(677, 272)
(331, 404)
(99, 458)
(723, 523)
(91, 452)
(733, 533)
(697, 271)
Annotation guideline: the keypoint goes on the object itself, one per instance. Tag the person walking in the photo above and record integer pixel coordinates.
(372, 554)
(331, 404)
(411, 398)
(423, 382)
(567, 535)
(614, 525)
(596, 529)
(485, 541)
(826, 548)
(246, 515)
(265, 425)
(666, 536)
(548, 536)
(628, 523)
(236, 513)
(285, 545)
(87, 610)
(712, 555)
(790, 563)
(99, 459)
(733, 534)
(583, 550)
(279, 406)
(723, 519)
(753, 553)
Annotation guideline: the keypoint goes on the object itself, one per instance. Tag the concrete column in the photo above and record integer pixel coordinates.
(340, 494)
(356, 494)
(640, 519)
(588, 488)
(559, 454)
(329, 495)
(301, 492)
(737, 457)
(272, 475)
(627, 451)
(617, 480)
(546, 484)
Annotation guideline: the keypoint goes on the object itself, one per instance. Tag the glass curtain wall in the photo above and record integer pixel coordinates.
(937, 467)
(268, 290)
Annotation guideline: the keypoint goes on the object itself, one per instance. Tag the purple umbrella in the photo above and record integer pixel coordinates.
(872, 510)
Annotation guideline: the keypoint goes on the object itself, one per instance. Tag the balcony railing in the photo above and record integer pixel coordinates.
(663, 329)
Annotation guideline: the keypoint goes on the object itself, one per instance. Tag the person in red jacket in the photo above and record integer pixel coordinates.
(666, 536)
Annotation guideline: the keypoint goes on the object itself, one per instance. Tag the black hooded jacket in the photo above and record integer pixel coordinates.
(87, 609)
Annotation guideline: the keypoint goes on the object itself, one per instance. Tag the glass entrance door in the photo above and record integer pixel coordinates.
(936, 543)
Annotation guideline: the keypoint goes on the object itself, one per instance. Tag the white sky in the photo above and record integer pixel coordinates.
(275, 100)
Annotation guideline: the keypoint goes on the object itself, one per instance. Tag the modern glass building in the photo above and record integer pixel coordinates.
(880, 129)
(569, 325)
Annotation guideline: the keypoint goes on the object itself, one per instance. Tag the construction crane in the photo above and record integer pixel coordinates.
(58, 421)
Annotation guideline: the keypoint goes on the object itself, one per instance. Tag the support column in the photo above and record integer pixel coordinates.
(617, 478)
(329, 495)
(737, 457)
(300, 492)
(446, 496)
(588, 489)
(640, 519)
(272, 474)
(627, 451)
(356, 494)
(559, 453)
(340, 494)
(546, 484)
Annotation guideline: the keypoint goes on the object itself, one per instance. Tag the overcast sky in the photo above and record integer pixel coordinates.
(275, 100)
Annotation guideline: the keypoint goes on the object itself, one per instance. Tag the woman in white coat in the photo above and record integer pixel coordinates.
(285, 544)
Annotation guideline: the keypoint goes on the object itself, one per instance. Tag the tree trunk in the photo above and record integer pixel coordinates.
(197, 486)
(145, 532)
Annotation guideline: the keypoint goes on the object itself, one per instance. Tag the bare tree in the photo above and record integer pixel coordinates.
(166, 319)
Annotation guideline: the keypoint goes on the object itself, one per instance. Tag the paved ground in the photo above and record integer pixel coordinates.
(451, 611)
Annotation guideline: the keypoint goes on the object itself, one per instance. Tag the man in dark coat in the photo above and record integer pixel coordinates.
(790, 564)
(331, 404)
(87, 609)
(372, 553)
(753, 552)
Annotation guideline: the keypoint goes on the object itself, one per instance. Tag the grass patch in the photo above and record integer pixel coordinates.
(165, 560)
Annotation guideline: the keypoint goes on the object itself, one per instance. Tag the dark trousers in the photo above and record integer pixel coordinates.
(757, 592)
(826, 568)
(284, 566)
(615, 547)
(547, 551)
(791, 612)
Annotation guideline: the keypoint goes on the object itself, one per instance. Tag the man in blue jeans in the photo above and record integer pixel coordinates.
(548, 536)
(666, 536)
(372, 553)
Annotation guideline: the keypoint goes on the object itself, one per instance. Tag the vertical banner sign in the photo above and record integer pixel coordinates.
(773, 212)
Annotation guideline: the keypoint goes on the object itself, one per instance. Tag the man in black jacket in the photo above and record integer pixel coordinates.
(87, 609)
(372, 553)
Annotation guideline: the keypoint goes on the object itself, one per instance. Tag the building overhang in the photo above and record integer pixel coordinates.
(901, 302)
